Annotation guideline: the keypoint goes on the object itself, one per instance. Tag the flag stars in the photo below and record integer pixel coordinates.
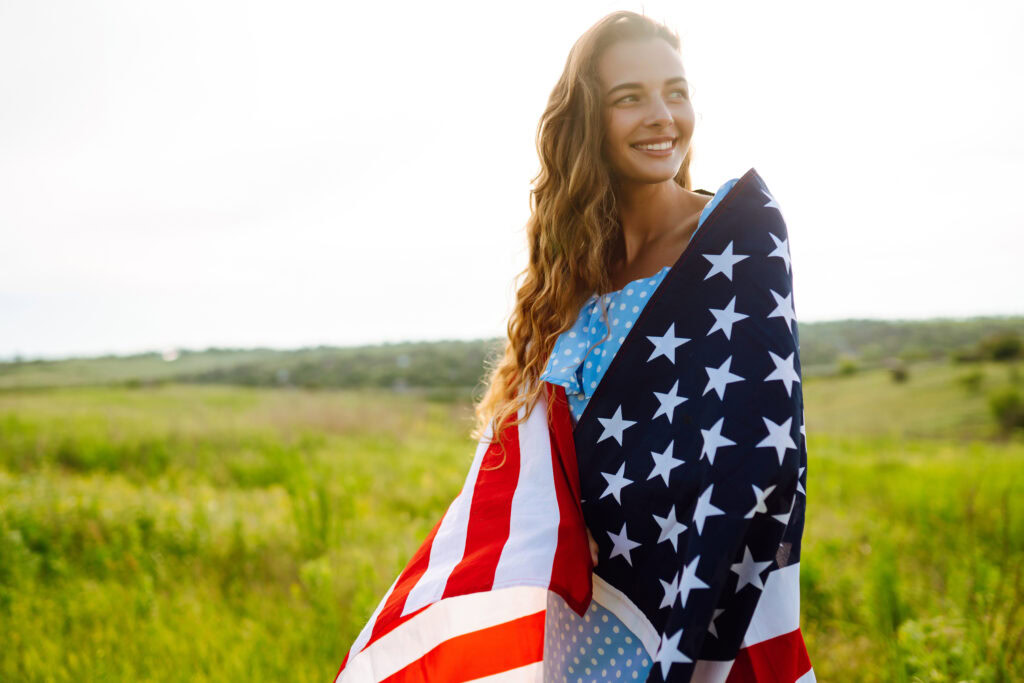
(689, 581)
(669, 654)
(781, 251)
(783, 308)
(719, 378)
(621, 545)
(712, 628)
(784, 517)
(614, 426)
(670, 526)
(668, 402)
(778, 437)
(666, 344)
(616, 482)
(723, 263)
(749, 571)
(664, 463)
(725, 318)
(759, 498)
(705, 509)
(784, 371)
(713, 440)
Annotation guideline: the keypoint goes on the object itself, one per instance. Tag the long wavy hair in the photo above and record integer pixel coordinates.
(574, 232)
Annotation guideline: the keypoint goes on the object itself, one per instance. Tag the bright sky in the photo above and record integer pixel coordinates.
(244, 173)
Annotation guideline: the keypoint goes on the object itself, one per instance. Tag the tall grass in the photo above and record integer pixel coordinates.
(209, 533)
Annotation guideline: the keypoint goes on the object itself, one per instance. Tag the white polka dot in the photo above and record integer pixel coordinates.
(568, 352)
(576, 660)
(636, 308)
(576, 359)
(604, 618)
(586, 617)
(622, 307)
(612, 661)
(572, 334)
(651, 282)
(629, 662)
(597, 630)
(629, 324)
(593, 661)
(629, 292)
(615, 322)
(643, 294)
(622, 339)
(581, 344)
(554, 361)
(587, 671)
(607, 641)
(582, 651)
(589, 641)
(586, 329)
(570, 669)
(588, 365)
(628, 640)
(615, 629)
(581, 628)
(600, 650)
(621, 651)
(644, 662)
(593, 385)
(638, 652)
(599, 367)
(635, 674)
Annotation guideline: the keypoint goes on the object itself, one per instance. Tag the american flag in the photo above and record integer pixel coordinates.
(687, 467)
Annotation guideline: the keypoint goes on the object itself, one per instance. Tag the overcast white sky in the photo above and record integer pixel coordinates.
(242, 173)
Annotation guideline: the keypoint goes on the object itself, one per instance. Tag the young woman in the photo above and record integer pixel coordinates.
(613, 214)
(656, 326)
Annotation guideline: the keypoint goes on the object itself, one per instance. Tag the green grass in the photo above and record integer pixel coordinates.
(213, 533)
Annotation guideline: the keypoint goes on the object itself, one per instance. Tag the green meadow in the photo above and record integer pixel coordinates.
(193, 532)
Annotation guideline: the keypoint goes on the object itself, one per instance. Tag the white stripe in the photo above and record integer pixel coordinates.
(364, 635)
(441, 621)
(529, 552)
(778, 608)
(807, 677)
(616, 602)
(710, 671)
(449, 542)
(531, 673)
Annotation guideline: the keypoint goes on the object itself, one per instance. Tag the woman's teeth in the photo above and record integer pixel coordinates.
(656, 147)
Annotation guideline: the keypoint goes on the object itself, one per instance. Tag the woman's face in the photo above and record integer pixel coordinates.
(648, 117)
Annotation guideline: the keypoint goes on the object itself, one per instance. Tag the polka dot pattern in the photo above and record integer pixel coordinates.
(594, 648)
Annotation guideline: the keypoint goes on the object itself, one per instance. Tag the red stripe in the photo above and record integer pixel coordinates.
(782, 659)
(571, 573)
(481, 653)
(490, 517)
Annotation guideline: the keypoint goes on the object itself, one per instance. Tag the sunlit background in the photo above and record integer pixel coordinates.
(194, 174)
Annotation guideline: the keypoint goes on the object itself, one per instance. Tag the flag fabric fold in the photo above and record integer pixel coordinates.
(687, 467)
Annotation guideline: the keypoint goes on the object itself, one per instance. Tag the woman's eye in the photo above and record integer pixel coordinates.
(624, 99)
(681, 92)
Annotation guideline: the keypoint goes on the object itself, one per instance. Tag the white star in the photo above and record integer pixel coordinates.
(666, 344)
(669, 654)
(689, 580)
(781, 250)
(799, 486)
(784, 371)
(664, 463)
(771, 200)
(723, 263)
(778, 437)
(668, 402)
(621, 545)
(671, 591)
(614, 426)
(616, 482)
(705, 509)
(784, 518)
(719, 377)
(712, 629)
(749, 571)
(783, 309)
(671, 527)
(724, 319)
(713, 440)
(759, 498)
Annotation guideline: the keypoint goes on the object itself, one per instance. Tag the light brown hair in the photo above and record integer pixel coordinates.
(574, 232)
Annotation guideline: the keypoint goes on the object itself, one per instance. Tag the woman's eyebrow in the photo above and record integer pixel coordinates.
(636, 86)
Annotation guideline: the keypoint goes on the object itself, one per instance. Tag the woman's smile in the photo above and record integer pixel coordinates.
(657, 147)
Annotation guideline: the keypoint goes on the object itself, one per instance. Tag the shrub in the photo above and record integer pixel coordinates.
(1008, 409)
(972, 380)
(898, 371)
(848, 366)
(1002, 347)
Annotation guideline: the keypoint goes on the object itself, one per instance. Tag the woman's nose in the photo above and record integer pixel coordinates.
(659, 114)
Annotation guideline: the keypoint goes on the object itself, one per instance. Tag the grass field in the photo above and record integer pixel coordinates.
(218, 533)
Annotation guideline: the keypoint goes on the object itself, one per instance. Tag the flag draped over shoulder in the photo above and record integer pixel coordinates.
(687, 467)
(471, 603)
